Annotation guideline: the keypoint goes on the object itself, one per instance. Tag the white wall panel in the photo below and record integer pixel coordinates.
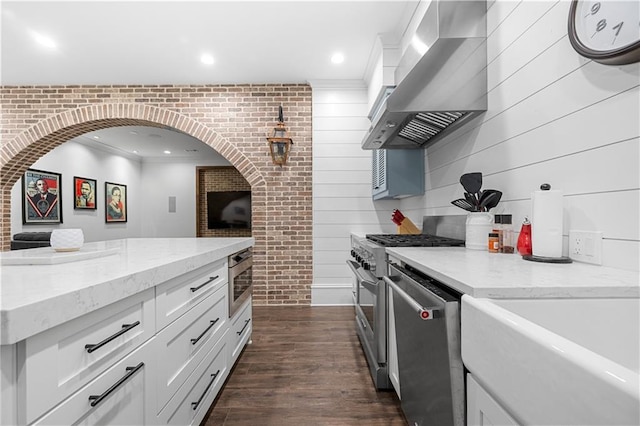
(555, 102)
(339, 150)
(553, 117)
(342, 190)
(580, 131)
(548, 31)
(352, 203)
(341, 123)
(341, 186)
(339, 95)
(332, 177)
(338, 164)
(353, 137)
(523, 16)
(498, 11)
(339, 110)
(328, 257)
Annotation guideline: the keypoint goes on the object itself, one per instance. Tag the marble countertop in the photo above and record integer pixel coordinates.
(34, 298)
(496, 275)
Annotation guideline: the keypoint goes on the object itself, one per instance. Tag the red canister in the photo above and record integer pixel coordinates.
(524, 239)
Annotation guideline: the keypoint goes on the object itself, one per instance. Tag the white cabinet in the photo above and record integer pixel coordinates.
(397, 173)
(159, 356)
(119, 396)
(177, 296)
(392, 348)
(60, 360)
(240, 330)
(185, 342)
(192, 401)
(482, 409)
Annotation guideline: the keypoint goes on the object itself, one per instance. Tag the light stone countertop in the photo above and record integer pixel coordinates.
(34, 298)
(497, 275)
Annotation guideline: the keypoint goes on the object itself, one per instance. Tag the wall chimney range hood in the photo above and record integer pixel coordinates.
(442, 79)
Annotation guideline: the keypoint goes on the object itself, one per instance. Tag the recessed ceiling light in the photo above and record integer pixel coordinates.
(135, 151)
(337, 58)
(167, 152)
(206, 59)
(133, 132)
(43, 40)
(96, 137)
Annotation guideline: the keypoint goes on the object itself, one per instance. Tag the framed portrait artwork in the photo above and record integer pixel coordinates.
(42, 197)
(85, 193)
(115, 195)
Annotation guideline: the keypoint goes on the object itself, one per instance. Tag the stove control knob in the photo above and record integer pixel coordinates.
(353, 253)
(365, 265)
(358, 258)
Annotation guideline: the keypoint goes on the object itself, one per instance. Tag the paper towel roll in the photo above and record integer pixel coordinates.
(546, 223)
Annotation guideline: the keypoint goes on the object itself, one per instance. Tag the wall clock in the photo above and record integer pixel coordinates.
(607, 31)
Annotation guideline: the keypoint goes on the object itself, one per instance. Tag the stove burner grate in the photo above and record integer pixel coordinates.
(419, 240)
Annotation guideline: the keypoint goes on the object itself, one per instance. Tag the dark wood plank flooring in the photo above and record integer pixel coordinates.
(304, 367)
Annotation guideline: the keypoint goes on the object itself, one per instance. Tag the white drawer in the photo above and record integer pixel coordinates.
(58, 362)
(194, 398)
(240, 330)
(130, 382)
(177, 296)
(185, 342)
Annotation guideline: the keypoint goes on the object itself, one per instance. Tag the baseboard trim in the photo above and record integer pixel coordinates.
(331, 295)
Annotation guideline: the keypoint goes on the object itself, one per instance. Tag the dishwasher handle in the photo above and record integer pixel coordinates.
(424, 313)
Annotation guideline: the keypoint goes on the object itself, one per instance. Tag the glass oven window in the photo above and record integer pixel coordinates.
(241, 283)
(367, 303)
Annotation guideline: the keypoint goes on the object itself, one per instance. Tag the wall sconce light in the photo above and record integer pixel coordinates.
(279, 142)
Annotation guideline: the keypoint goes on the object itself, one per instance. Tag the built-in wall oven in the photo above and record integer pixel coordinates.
(240, 279)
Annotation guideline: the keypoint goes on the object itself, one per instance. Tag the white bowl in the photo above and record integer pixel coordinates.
(67, 239)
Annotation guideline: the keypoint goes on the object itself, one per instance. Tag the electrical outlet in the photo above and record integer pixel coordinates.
(586, 246)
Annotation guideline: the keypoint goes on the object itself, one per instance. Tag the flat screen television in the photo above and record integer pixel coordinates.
(229, 209)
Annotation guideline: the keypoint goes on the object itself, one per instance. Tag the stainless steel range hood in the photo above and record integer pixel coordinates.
(441, 89)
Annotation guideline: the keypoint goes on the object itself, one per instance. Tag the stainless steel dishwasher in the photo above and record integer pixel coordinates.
(427, 319)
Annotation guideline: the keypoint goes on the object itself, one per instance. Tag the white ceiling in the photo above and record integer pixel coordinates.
(161, 42)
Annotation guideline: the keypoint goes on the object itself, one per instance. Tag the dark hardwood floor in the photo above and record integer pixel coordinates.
(304, 367)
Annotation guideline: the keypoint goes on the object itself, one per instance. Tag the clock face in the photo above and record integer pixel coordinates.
(606, 31)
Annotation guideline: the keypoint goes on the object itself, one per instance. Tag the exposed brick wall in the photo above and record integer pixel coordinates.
(232, 119)
(221, 178)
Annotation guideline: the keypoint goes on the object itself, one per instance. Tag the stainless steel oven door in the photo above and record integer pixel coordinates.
(371, 322)
(240, 279)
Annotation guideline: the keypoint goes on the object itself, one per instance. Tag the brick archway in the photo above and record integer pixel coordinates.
(25, 149)
(233, 119)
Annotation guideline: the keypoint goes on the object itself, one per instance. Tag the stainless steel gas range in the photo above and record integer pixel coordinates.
(369, 264)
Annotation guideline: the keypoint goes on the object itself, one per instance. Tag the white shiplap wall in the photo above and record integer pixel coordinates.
(341, 186)
(553, 117)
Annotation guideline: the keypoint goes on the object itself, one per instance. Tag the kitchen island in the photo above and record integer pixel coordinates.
(132, 331)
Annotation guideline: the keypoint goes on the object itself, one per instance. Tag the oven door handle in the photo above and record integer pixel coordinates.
(366, 282)
(423, 313)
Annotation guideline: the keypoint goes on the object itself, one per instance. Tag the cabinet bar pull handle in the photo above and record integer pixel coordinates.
(125, 327)
(96, 399)
(423, 313)
(194, 341)
(194, 289)
(213, 379)
(246, 323)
